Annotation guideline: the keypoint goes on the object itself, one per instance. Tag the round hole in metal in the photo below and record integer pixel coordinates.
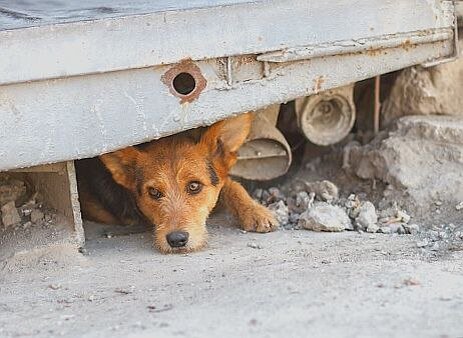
(184, 83)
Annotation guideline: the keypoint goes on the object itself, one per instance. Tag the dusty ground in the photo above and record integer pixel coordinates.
(288, 283)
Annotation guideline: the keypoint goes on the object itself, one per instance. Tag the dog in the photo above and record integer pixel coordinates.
(173, 184)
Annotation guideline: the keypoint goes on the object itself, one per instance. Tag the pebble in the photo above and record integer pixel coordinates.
(36, 216)
(280, 211)
(422, 244)
(54, 286)
(412, 228)
(459, 206)
(125, 291)
(325, 217)
(324, 190)
(385, 230)
(372, 228)
(367, 218)
(254, 245)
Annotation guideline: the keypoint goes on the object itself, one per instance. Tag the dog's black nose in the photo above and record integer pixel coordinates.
(177, 239)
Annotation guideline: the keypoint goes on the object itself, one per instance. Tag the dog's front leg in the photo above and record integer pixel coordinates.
(251, 215)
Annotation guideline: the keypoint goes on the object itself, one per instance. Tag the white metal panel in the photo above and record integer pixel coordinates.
(69, 118)
(165, 37)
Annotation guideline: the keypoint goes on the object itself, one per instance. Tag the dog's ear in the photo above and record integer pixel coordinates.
(228, 135)
(122, 166)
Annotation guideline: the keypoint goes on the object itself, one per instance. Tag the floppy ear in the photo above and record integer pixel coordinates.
(121, 165)
(228, 135)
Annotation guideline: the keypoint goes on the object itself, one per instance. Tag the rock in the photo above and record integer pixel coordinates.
(367, 218)
(301, 203)
(385, 230)
(426, 91)
(353, 206)
(412, 228)
(324, 217)
(324, 190)
(258, 194)
(416, 151)
(372, 228)
(10, 215)
(395, 227)
(254, 245)
(36, 216)
(271, 195)
(280, 211)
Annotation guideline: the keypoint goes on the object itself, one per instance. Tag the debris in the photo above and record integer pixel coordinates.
(10, 215)
(125, 291)
(36, 216)
(254, 245)
(412, 228)
(323, 190)
(324, 217)
(55, 286)
(411, 282)
(301, 203)
(280, 211)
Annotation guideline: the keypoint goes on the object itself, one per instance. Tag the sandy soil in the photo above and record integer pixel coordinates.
(288, 283)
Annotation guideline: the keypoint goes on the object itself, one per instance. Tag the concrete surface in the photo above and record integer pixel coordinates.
(283, 284)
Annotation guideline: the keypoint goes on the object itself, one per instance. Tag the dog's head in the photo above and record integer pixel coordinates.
(176, 180)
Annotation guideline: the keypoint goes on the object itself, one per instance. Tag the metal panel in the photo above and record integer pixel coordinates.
(165, 37)
(62, 119)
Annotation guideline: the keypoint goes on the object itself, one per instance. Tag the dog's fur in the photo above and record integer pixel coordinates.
(173, 183)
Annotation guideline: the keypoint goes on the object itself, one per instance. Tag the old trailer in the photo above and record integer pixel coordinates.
(81, 78)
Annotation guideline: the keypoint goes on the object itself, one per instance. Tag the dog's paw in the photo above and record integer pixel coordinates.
(258, 219)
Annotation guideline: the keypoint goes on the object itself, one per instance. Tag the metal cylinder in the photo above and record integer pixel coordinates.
(326, 118)
(266, 154)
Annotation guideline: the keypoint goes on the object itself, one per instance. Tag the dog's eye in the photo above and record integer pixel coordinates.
(155, 193)
(194, 187)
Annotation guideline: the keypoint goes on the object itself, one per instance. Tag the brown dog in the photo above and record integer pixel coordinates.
(173, 183)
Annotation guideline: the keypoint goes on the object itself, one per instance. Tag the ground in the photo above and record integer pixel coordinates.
(292, 283)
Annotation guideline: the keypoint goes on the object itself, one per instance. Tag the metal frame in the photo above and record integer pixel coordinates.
(99, 86)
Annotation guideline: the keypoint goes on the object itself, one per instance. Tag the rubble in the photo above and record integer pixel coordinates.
(19, 208)
(324, 217)
(367, 220)
(323, 190)
(280, 211)
(307, 210)
(410, 157)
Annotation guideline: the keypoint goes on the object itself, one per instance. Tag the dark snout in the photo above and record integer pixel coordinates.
(177, 239)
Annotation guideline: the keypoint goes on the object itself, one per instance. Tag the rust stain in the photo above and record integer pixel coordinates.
(407, 45)
(318, 83)
(185, 66)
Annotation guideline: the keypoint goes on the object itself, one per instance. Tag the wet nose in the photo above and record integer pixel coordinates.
(177, 239)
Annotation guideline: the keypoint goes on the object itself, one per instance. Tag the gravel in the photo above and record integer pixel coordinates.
(317, 206)
(20, 208)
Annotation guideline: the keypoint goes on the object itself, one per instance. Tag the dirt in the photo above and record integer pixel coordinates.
(289, 283)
